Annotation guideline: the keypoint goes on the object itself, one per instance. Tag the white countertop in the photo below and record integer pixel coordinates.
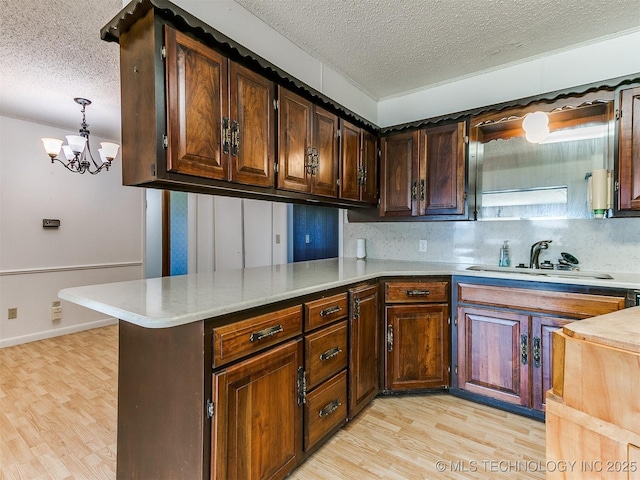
(172, 301)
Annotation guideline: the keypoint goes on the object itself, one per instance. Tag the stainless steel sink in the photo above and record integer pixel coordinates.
(541, 272)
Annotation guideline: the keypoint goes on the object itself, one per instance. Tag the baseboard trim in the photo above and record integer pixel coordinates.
(56, 332)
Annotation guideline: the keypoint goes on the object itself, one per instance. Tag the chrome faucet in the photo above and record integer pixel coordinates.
(534, 257)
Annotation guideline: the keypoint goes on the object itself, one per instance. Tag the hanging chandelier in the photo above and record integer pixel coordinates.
(79, 158)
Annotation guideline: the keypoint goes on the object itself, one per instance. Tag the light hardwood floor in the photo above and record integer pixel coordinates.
(58, 421)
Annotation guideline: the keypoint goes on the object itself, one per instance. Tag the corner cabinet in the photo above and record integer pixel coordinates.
(220, 115)
(628, 164)
(424, 173)
(503, 336)
(417, 334)
(307, 146)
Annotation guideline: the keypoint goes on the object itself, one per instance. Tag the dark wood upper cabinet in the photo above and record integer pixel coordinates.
(358, 164)
(350, 161)
(423, 172)
(324, 177)
(307, 146)
(252, 127)
(369, 164)
(629, 150)
(220, 115)
(294, 137)
(442, 175)
(197, 101)
(399, 182)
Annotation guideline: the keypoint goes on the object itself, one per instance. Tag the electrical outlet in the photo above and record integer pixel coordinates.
(307, 239)
(423, 245)
(13, 313)
(56, 313)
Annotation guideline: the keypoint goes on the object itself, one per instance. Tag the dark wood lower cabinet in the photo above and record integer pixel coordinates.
(417, 347)
(257, 422)
(542, 356)
(503, 337)
(325, 409)
(364, 347)
(490, 358)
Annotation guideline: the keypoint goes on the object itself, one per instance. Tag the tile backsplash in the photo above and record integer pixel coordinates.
(607, 245)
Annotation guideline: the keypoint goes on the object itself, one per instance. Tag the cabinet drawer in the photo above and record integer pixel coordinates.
(243, 338)
(325, 310)
(575, 305)
(326, 353)
(416, 292)
(325, 409)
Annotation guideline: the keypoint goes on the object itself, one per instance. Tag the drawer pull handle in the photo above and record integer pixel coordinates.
(266, 333)
(524, 354)
(417, 293)
(332, 352)
(330, 310)
(329, 408)
(536, 352)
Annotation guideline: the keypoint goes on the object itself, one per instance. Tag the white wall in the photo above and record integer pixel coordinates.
(610, 58)
(248, 30)
(100, 238)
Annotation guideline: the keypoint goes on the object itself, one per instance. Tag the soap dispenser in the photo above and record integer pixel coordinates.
(505, 257)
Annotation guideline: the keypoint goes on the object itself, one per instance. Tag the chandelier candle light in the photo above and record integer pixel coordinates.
(77, 160)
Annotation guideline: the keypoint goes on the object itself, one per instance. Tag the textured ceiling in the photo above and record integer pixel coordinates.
(387, 47)
(50, 50)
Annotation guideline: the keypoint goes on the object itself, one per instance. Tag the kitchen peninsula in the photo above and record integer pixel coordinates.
(206, 359)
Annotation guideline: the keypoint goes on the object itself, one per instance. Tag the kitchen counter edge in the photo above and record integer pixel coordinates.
(172, 301)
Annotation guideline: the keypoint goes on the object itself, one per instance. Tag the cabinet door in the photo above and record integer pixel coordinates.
(417, 347)
(629, 150)
(399, 184)
(494, 353)
(369, 164)
(542, 356)
(197, 100)
(257, 422)
(350, 167)
(364, 349)
(294, 138)
(252, 127)
(442, 170)
(324, 180)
